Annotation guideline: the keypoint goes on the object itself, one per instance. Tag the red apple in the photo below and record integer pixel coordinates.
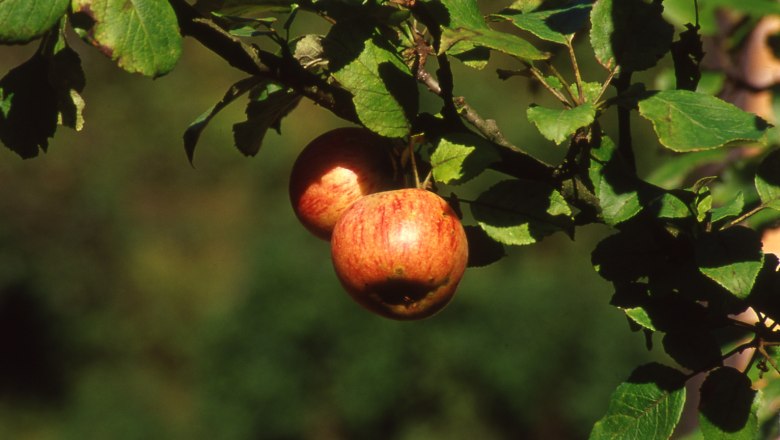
(333, 171)
(400, 253)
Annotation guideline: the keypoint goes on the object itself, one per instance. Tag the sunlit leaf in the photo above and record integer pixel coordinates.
(555, 25)
(25, 20)
(690, 121)
(142, 36)
(383, 88)
(459, 157)
(558, 124)
(732, 258)
(647, 406)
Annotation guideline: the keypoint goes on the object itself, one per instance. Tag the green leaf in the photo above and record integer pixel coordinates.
(670, 205)
(554, 25)
(590, 90)
(25, 20)
(558, 124)
(383, 88)
(732, 258)
(639, 315)
(647, 406)
(729, 210)
(268, 104)
(192, 133)
(458, 41)
(689, 121)
(464, 30)
(459, 157)
(631, 34)
(728, 406)
(616, 188)
(142, 36)
(768, 180)
(519, 212)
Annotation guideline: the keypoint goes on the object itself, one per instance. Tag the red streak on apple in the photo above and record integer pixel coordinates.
(401, 253)
(333, 171)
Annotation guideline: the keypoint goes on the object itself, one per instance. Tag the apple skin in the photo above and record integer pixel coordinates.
(333, 171)
(400, 253)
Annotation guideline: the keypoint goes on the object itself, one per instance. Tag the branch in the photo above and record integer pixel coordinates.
(257, 62)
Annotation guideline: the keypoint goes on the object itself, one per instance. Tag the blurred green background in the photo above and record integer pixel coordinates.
(141, 298)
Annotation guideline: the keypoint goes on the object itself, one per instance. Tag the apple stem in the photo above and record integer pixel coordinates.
(427, 182)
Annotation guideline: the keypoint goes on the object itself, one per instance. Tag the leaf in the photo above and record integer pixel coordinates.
(590, 90)
(67, 77)
(309, 53)
(459, 157)
(25, 20)
(694, 350)
(383, 88)
(268, 104)
(142, 36)
(728, 406)
(689, 121)
(465, 34)
(554, 25)
(616, 188)
(639, 315)
(729, 210)
(764, 297)
(483, 250)
(768, 180)
(631, 34)
(627, 255)
(670, 205)
(687, 53)
(519, 212)
(459, 41)
(40, 94)
(192, 133)
(647, 406)
(558, 124)
(732, 258)
(32, 117)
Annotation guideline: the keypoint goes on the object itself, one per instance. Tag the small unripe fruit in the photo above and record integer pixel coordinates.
(401, 253)
(333, 171)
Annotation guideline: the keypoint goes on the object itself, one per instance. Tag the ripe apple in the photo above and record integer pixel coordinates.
(334, 170)
(400, 253)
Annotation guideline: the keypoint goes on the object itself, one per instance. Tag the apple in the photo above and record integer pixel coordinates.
(400, 253)
(333, 171)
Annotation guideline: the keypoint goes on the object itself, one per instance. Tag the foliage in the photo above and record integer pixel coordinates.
(684, 258)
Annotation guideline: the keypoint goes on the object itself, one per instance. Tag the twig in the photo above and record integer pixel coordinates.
(743, 217)
(607, 82)
(576, 69)
(539, 77)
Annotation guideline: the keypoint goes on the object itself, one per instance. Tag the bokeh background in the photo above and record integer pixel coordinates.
(142, 298)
